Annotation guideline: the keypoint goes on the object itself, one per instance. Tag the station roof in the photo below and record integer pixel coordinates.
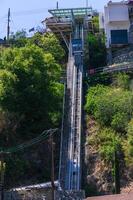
(71, 12)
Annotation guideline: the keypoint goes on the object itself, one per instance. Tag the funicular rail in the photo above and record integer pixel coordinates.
(73, 181)
(70, 152)
(74, 171)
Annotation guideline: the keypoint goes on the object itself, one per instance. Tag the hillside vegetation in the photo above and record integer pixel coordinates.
(30, 101)
(95, 49)
(111, 107)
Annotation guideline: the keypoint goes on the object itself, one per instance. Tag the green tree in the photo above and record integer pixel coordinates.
(50, 44)
(95, 22)
(91, 97)
(20, 34)
(30, 101)
(122, 80)
(110, 106)
(95, 51)
(30, 86)
(19, 39)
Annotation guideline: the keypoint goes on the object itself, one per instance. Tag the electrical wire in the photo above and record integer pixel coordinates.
(25, 145)
(13, 24)
(30, 12)
(33, 141)
(26, 12)
(44, 135)
(4, 17)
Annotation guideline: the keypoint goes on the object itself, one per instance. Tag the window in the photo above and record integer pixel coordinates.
(119, 37)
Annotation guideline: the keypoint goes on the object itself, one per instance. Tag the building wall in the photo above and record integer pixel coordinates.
(115, 26)
(116, 17)
(118, 12)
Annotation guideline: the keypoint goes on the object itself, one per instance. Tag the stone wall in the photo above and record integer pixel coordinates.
(123, 55)
(31, 194)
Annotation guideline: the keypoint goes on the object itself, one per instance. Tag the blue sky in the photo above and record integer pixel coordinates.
(37, 11)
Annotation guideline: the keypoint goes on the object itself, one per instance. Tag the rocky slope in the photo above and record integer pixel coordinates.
(123, 55)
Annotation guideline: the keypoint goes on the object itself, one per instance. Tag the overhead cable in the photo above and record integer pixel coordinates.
(44, 135)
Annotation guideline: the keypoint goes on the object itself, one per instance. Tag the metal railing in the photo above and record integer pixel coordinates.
(122, 67)
(32, 192)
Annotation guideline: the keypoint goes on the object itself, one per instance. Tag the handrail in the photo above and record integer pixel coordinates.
(62, 130)
(115, 68)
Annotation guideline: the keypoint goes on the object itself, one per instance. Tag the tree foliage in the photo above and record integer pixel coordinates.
(122, 80)
(95, 21)
(31, 98)
(30, 82)
(50, 44)
(107, 142)
(19, 39)
(95, 51)
(110, 106)
(128, 144)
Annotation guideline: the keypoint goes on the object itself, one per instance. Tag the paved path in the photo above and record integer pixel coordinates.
(126, 196)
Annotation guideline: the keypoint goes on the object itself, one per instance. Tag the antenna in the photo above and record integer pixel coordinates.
(8, 25)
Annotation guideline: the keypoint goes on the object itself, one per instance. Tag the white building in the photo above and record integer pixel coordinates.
(117, 23)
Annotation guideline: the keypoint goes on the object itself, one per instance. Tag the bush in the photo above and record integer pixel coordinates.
(128, 144)
(122, 81)
(110, 106)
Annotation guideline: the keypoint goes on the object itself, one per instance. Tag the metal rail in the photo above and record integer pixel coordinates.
(70, 156)
(73, 177)
(61, 143)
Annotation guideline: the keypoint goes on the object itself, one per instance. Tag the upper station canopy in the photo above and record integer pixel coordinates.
(71, 12)
(63, 21)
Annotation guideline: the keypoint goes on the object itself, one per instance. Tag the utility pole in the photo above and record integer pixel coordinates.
(116, 173)
(2, 173)
(52, 166)
(8, 25)
(57, 5)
